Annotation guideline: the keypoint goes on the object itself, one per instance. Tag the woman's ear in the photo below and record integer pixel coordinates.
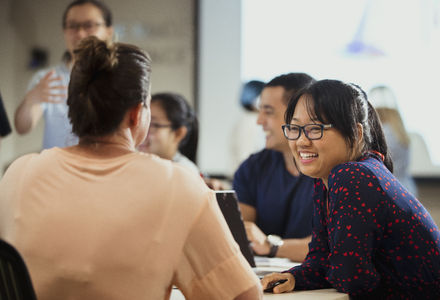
(135, 115)
(360, 130)
(358, 145)
(181, 133)
(360, 135)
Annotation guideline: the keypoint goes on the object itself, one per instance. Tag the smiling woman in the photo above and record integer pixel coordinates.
(371, 237)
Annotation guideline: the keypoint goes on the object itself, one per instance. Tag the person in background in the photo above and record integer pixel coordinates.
(275, 199)
(5, 128)
(371, 237)
(174, 130)
(174, 133)
(246, 137)
(99, 220)
(47, 92)
(396, 135)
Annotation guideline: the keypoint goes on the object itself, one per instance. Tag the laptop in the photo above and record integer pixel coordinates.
(227, 201)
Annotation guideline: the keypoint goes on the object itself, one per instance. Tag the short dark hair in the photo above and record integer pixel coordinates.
(106, 81)
(292, 83)
(105, 11)
(180, 113)
(344, 105)
(249, 94)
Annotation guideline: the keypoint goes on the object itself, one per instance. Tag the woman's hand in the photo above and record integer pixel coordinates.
(285, 287)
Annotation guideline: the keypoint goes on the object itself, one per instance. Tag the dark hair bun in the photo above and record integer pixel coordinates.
(106, 80)
(94, 56)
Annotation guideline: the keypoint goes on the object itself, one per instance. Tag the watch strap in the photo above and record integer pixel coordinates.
(273, 251)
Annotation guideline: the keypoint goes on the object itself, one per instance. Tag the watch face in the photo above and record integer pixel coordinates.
(274, 240)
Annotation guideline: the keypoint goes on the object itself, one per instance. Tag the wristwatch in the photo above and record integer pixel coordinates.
(275, 242)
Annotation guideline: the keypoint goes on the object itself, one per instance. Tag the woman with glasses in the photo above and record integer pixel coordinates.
(47, 92)
(99, 220)
(371, 237)
(173, 132)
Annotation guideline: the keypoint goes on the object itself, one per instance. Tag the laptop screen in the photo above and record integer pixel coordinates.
(231, 211)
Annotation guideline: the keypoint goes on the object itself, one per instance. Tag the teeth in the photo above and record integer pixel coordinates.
(308, 155)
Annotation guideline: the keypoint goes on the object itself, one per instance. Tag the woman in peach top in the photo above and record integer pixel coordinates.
(101, 221)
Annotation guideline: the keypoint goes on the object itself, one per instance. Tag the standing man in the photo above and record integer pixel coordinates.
(275, 199)
(47, 93)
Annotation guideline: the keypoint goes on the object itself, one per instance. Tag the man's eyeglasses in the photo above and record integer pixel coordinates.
(312, 131)
(89, 27)
(155, 126)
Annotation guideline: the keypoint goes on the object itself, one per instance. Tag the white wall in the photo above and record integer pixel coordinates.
(219, 81)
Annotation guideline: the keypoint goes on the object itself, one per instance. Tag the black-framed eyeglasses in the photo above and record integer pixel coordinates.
(89, 27)
(312, 131)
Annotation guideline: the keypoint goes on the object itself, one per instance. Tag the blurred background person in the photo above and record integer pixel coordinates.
(385, 103)
(246, 137)
(174, 130)
(99, 220)
(47, 92)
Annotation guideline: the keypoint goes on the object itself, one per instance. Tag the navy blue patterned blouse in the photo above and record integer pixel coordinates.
(373, 238)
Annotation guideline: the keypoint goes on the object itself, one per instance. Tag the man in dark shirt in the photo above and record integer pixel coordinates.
(275, 199)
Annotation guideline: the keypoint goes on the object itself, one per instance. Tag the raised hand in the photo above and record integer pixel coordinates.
(49, 89)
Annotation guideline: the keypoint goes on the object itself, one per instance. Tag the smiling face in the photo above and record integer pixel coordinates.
(316, 158)
(271, 117)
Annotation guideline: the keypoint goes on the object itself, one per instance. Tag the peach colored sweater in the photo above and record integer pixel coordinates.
(129, 227)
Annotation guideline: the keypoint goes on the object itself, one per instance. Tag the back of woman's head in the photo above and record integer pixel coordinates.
(391, 117)
(180, 113)
(106, 81)
(345, 106)
(382, 96)
(385, 103)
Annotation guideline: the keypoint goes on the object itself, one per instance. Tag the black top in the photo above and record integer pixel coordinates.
(373, 240)
(5, 128)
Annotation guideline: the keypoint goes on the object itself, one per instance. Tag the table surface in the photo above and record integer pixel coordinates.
(278, 265)
(327, 294)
